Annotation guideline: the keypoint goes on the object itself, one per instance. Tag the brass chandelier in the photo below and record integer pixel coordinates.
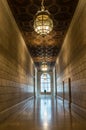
(44, 76)
(44, 67)
(43, 23)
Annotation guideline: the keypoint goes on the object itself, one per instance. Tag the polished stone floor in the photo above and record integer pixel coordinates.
(43, 113)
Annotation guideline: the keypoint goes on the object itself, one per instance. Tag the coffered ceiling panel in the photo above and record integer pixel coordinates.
(43, 48)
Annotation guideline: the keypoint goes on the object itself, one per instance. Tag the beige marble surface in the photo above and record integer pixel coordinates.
(44, 113)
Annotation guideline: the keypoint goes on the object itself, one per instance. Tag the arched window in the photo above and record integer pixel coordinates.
(45, 82)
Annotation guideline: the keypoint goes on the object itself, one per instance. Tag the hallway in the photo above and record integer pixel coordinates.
(33, 64)
(44, 113)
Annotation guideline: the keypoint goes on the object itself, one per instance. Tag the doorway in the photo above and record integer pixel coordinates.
(69, 84)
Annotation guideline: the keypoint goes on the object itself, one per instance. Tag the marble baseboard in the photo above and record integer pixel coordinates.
(6, 113)
(81, 112)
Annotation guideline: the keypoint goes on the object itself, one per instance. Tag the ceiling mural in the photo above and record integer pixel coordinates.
(43, 49)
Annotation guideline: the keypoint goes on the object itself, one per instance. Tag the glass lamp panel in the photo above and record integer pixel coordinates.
(45, 17)
(43, 24)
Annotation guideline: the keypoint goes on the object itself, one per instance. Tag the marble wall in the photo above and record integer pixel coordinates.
(16, 65)
(71, 62)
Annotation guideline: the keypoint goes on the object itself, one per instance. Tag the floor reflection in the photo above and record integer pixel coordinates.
(43, 113)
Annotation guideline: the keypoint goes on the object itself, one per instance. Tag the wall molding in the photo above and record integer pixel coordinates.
(7, 112)
(80, 112)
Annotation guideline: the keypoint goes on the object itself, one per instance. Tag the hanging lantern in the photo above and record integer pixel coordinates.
(45, 75)
(43, 23)
(44, 67)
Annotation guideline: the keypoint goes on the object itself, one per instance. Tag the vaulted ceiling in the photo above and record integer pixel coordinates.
(43, 48)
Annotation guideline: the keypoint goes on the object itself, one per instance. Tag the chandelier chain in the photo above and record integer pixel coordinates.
(42, 5)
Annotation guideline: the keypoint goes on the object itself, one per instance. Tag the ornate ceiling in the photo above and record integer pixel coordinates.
(43, 48)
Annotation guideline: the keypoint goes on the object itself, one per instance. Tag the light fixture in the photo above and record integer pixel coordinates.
(44, 67)
(43, 23)
(44, 75)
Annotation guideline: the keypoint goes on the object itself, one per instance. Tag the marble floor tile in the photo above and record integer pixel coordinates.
(43, 113)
